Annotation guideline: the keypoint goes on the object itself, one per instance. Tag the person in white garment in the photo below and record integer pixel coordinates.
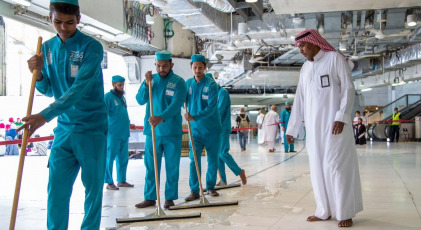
(260, 128)
(324, 99)
(355, 123)
(271, 125)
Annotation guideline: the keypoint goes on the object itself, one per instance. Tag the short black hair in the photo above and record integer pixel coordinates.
(360, 119)
(358, 112)
(204, 63)
(170, 60)
(65, 8)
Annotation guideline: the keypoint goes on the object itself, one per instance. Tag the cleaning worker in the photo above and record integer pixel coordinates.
(168, 95)
(285, 114)
(118, 134)
(69, 69)
(202, 105)
(224, 108)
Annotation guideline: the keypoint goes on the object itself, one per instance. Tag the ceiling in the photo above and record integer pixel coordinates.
(374, 34)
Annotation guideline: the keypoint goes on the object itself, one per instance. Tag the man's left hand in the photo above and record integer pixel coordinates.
(132, 126)
(155, 120)
(338, 127)
(32, 123)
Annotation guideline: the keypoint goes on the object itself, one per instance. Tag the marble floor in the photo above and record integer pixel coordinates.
(278, 194)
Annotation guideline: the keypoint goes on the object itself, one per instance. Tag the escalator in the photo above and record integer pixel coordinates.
(410, 107)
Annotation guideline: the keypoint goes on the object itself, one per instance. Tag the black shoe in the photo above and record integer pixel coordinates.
(146, 203)
(192, 196)
(168, 204)
(292, 151)
(213, 192)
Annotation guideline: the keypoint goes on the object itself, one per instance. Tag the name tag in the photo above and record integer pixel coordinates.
(169, 92)
(205, 97)
(324, 80)
(74, 69)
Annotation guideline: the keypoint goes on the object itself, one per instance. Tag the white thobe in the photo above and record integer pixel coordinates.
(260, 131)
(320, 101)
(271, 128)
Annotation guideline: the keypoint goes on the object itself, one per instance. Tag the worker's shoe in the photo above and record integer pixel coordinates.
(192, 196)
(146, 203)
(168, 204)
(213, 192)
(124, 184)
(292, 151)
(112, 187)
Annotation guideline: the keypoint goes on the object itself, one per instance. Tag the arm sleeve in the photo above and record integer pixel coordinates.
(248, 120)
(212, 103)
(108, 103)
(347, 90)
(85, 79)
(177, 101)
(297, 112)
(142, 95)
(44, 85)
(282, 118)
(224, 104)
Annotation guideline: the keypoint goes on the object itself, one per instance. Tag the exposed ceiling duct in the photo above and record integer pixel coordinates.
(221, 5)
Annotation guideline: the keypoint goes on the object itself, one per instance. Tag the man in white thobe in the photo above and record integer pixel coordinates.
(271, 124)
(324, 99)
(260, 128)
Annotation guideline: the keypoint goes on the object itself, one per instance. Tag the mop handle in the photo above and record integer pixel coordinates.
(24, 144)
(194, 154)
(155, 160)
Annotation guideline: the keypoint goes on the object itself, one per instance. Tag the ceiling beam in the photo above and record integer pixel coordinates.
(257, 9)
(238, 10)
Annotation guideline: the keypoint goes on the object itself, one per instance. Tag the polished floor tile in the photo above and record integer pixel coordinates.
(278, 194)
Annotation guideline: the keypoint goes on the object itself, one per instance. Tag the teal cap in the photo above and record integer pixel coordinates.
(198, 58)
(71, 2)
(118, 78)
(287, 103)
(163, 55)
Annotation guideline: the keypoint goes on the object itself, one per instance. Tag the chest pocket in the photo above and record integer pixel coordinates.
(205, 94)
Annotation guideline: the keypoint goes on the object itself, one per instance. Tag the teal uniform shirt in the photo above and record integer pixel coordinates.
(285, 118)
(202, 102)
(72, 74)
(118, 117)
(169, 94)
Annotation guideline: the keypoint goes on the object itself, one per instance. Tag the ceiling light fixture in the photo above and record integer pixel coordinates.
(242, 28)
(367, 89)
(411, 20)
(251, 1)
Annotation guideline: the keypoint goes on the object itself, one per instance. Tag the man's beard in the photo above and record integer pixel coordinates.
(164, 74)
(118, 92)
(288, 109)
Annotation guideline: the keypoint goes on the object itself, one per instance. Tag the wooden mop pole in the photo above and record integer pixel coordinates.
(155, 159)
(194, 154)
(24, 144)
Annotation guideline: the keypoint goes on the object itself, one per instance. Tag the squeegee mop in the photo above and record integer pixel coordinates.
(203, 201)
(159, 213)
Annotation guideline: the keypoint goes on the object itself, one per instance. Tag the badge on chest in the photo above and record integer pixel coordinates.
(324, 81)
